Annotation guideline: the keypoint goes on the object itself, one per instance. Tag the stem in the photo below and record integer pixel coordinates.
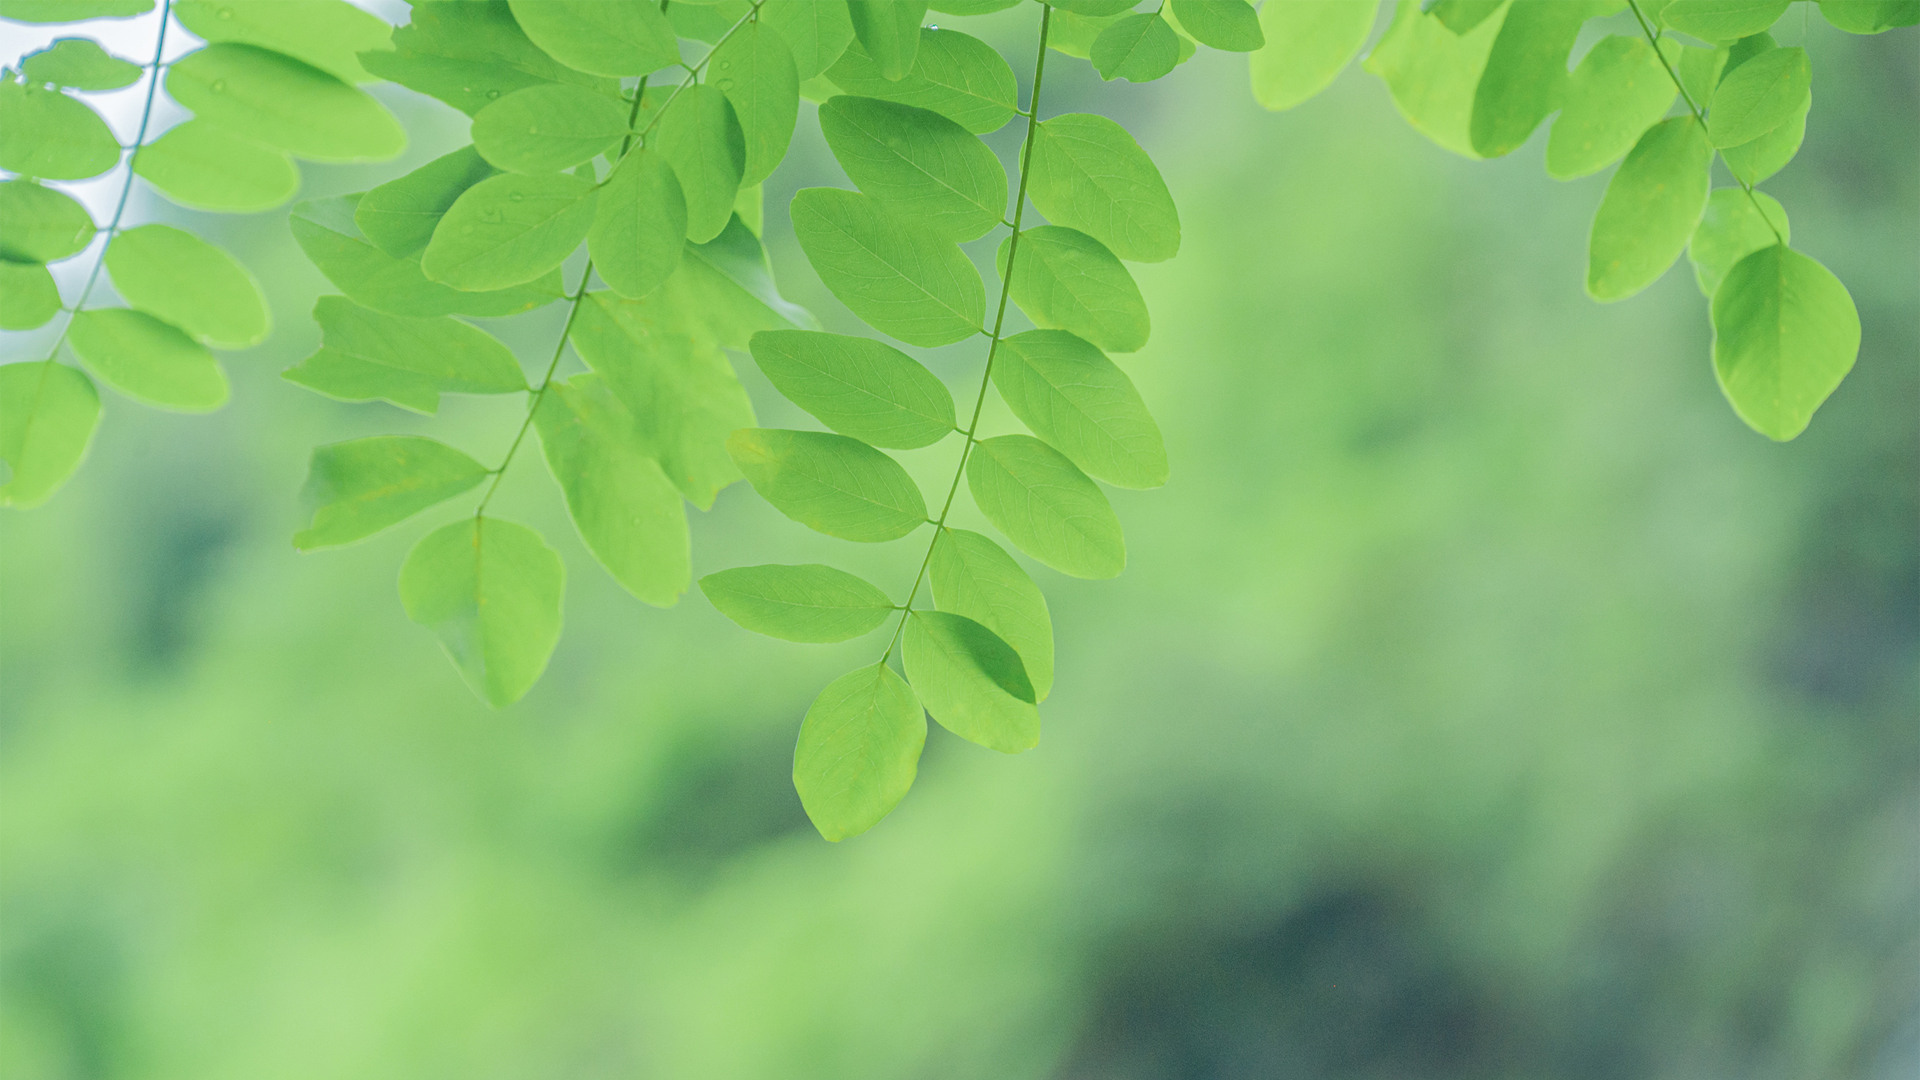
(999, 320)
(1653, 39)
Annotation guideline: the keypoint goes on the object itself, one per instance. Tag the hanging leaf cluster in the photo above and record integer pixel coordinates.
(271, 83)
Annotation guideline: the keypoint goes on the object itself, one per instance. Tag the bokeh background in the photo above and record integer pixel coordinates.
(1482, 699)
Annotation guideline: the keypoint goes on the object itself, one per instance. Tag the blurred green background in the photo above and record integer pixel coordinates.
(1482, 699)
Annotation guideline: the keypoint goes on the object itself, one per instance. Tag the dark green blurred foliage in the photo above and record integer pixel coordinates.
(1482, 700)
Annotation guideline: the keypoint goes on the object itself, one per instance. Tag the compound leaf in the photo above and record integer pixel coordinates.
(39, 224)
(472, 54)
(47, 134)
(974, 577)
(921, 163)
(491, 591)
(1064, 279)
(1308, 44)
(1731, 229)
(1650, 209)
(328, 34)
(1069, 393)
(701, 138)
(858, 751)
(357, 488)
(509, 230)
(188, 282)
(326, 232)
(857, 386)
(547, 128)
(627, 511)
(830, 483)
(1785, 332)
(811, 604)
(639, 225)
(954, 74)
(970, 681)
(204, 167)
(755, 70)
(1089, 174)
(48, 413)
(148, 360)
(598, 37)
(1043, 503)
(277, 101)
(902, 278)
(79, 64)
(1619, 90)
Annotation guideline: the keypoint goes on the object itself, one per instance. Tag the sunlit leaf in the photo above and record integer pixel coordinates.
(701, 138)
(817, 31)
(1700, 71)
(858, 751)
(1137, 48)
(1759, 96)
(147, 360)
(201, 166)
(1064, 279)
(627, 511)
(1732, 229)
(28, 296)
(1723, 20)
(1759, 159)
(599, 37)
(1433, 72)
(328, 34)
(923, 164)
(1308, 44)
(39, 224)
(974, 577)
(755, 70)
(1870, 16)
(1619, 90)
(276, 101)
(901, 277)
(548, 128)
(1785, 333)
(958, 76)
(1230, 25)
(970, 681)
(491, 591)
(889, 31)
(1461, 16)
(368, 354)
(1526, 72)
(357, 488)
(1072, 396)
(470, 55)
(830, 483)
(1089, 174)
(724, 291)
(1652, 204)
(399, 216)
(639, 225)
(1043, 503)
(326, 232)
(857, 386)
(509, 230)
(188, 282)
(47, 134)
(79, 64)
(810, 603)
(48, 413)
(56, 11)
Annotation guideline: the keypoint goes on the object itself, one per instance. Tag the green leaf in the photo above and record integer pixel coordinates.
(640, 225)
(627, 511)
(326, 231)
(81, 64)
(971, 7)
(1723, 20)
(147, 360)
(599, 37)
(1755, 161)
(679, 387)
(1618, 91)
(48, 413)
(508, 230)
(1089, 174)
(1041, 501)
(200, 166)
(830, 483)
(472, 54)
(1069, 393)
(1094, 8)
(28, 296)
(899, 276)
(971, 681)
(409, 361)
(1759, 96)
(41, 225)
(1700, 71)
(858, 752)
(328, 34)
(491, 591)
(399, 216)
(857, 386)
(921, 163)
(1870, 16)
(1731, 230)
(59, 11)
(1230, 25)
(188, 282)
(545, 129)
(1308, 44)
(276, 101)
(810, 604)
(706, 20)
(1065, 280)
(755, 70)
(817, 31)
(1433, 72)
(1137, 48)
(974, 577)
(1785, 333)
(357, 488)
(701, 138)
(47, 134)
(960, 77)
(1650, 209)
(889, 31)
(724, 290)
(1074, 35)
(1461, 16)
(750, 206)
(1526, 72)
